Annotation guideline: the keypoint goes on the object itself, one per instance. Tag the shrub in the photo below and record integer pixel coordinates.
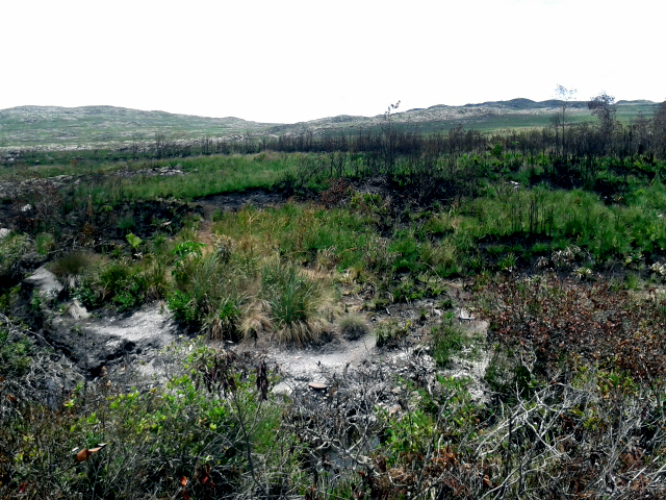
(12, 249)
(126, 224)
(124, 285)
(206, 434)
(14, 354)
(182, 307)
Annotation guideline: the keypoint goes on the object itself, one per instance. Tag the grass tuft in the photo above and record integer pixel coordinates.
(353, 326)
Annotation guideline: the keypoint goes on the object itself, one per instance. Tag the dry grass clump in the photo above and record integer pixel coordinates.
(353, 326)
(73, 264)
(299, 305)
(255, 321)
(229, 291)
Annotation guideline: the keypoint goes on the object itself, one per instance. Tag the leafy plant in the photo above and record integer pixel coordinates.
(133, 240)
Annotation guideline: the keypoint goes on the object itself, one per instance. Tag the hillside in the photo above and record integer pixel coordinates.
(43, 125)
(106, 125)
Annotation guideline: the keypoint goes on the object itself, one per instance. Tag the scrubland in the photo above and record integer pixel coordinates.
(559, 245)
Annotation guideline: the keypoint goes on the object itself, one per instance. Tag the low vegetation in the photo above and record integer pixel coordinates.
(557, 241)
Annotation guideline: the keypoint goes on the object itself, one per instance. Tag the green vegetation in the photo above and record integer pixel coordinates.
(558, 242)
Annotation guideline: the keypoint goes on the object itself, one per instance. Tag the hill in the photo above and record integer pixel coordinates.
(51, 126)
(44, 125)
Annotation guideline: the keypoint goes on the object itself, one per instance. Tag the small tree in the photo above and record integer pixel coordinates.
(565, 96)
(388, 138)
(603, 107)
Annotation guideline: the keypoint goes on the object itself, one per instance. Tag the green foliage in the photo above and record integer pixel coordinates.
(182, 306)
(390, 333)
(448, 340)
(203, 176)
(337, 238)
(15, 354)
(124, 285)
(446, 417)
(133, 240)
(187, 428)
(126, 224)
(44, 243)
(408, 252)
(294, 301)
(12, 249)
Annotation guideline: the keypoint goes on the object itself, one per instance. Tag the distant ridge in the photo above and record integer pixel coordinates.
(81, 112)
(100, 126)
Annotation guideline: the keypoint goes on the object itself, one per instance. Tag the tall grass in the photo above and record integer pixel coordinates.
(301, 233)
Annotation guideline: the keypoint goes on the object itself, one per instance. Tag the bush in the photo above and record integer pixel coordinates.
(124, 285)
(12, 249)
(14, 354)
(206, 434)
(448, 339)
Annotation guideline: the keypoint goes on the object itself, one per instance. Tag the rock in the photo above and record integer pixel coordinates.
(45, 282)
(4, 232)
(464, 315)
(77, 311)
(394, 410)
(282, 389)
(92, 344)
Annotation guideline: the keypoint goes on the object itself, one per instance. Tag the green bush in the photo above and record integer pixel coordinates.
(207, 424)
(183, 307)
(124, 285)
(12, 249)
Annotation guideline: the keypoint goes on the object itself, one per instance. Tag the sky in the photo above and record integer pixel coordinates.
(285, 61)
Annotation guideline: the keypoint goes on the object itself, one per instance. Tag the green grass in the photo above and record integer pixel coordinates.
(303, 233)
(203, 176)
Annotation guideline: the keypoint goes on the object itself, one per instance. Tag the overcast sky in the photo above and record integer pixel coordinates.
(288, 60)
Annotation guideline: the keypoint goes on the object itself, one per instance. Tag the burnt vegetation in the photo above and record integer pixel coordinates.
(556, 237)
